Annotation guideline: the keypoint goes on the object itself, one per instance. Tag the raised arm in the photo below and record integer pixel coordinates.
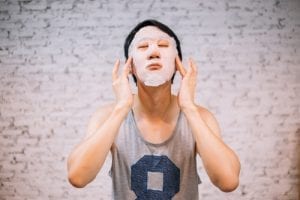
(87, 158)
(220, 162)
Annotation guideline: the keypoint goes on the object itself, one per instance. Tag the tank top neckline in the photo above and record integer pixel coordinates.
(138, 133)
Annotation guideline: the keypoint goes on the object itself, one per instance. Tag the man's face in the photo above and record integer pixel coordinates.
(153, 52)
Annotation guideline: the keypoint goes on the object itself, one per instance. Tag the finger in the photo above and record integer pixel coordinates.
(189, 70)
(131, 66)
(115, 70)
(193, 65)
(179, 66)
(127, 66)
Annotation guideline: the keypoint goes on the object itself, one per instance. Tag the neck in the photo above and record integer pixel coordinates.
(153, 101)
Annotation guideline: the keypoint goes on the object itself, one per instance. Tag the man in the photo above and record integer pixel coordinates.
(153, 135)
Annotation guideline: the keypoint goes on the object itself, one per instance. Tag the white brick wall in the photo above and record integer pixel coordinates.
(55, 64)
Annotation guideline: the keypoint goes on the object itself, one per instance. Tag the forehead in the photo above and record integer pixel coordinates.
(151, 33)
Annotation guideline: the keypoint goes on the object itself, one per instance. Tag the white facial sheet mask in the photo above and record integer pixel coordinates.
(152, 35)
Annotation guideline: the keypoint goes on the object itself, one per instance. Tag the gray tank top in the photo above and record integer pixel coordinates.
(146, 171)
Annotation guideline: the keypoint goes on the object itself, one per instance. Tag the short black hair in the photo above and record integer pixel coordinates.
(159, 25)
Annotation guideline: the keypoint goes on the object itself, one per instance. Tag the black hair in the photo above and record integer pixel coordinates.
(159, 25)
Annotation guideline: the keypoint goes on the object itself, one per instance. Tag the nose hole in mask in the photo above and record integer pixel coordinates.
(154, 55)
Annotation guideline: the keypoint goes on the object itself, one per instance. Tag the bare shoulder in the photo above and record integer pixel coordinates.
(98, 118)
(210, 120)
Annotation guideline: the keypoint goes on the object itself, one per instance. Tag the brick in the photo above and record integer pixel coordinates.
(65, 59)
(48, 50)
(24, 33)
(11, 26)
(11, 7)
(34, 42)
(12, 60)
(8, 43)
(62, 5)
(34, 5)
(35, 23)
(19, 51)
(39, 59)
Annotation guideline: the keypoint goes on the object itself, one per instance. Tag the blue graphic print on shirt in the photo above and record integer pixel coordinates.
(160, 164)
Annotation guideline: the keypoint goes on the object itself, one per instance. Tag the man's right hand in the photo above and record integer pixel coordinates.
(122, 89)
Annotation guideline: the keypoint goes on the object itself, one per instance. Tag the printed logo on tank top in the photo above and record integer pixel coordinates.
(154, 178)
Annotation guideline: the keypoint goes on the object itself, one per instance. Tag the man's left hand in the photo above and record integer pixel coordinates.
(186, 93)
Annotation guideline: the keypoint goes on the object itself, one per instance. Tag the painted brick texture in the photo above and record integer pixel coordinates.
(56, 59)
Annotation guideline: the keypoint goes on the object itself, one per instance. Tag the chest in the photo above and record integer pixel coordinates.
(156, 131)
